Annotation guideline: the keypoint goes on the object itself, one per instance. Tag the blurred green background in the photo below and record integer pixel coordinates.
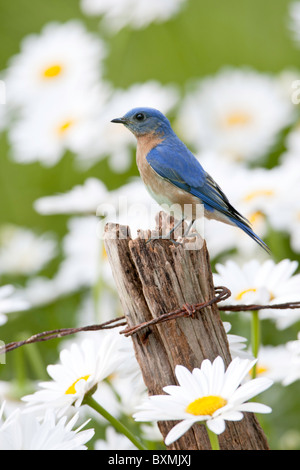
(200, 40)
(205, 36)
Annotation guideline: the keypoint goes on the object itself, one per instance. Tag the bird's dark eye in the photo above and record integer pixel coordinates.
(140, 116)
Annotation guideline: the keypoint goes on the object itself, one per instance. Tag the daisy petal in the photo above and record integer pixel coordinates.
(216, 425)
(178, 430)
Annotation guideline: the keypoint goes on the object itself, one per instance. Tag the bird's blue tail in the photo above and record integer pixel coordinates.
(245, 226)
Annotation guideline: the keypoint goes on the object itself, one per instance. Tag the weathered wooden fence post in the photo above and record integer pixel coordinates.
(158, 278)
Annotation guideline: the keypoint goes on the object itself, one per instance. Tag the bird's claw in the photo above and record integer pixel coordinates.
(164, 238)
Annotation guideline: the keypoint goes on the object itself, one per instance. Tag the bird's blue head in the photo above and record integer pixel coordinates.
(142, 121)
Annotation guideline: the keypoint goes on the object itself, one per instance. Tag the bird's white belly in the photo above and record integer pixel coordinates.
(167, 204)
(173, 200)
(182, 204)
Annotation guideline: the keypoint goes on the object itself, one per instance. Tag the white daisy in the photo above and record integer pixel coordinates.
(124, 389)
(40, 290)
(22, 252)
(135, 13)
(209, 394)
(47, 128)
(237, 112)
(265, 196)
(2, 95)
(289, 318)
(82, 199)
(61, 57)
(84, 263)
(293, 348)
(83, 256)
(275, 362)
(236, 344)
(79, 121)
(130, 205)
(24, 431)
(3, 107)
(8, 393)
(285, 216)
(130, 389)
(83, 253)
(259, 191)
(9, 302)
(264, 283)
(151, 432)
(82, 367)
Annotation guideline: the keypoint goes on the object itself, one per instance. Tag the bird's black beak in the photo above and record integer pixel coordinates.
(119, 120)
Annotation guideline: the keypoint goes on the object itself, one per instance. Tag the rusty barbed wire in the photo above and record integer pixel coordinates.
(59, 333)
(187, 310)
(245, 308)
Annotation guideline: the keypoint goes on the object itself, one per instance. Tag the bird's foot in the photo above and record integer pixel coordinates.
(191, 241)
(166, 237)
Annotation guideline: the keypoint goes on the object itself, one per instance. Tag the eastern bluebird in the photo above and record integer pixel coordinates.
(173, 175)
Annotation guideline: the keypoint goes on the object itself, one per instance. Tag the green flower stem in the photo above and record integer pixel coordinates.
(113, 421)
(213, 439)
(35, 359)
(255, 338)
(96, 293)
(19, 363)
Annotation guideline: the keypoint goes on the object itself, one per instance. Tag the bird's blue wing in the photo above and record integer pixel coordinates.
(175, 163)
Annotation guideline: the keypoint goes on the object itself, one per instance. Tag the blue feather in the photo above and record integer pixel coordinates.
(173, 161)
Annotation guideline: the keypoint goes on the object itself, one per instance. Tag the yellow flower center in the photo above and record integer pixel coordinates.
(64, 127)
(206, 405)
(52, 71)
(104, 254)
(237, 118)
(241, 294)
(259, 370)
(256, 217)
(71, 390)
(259, 193)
